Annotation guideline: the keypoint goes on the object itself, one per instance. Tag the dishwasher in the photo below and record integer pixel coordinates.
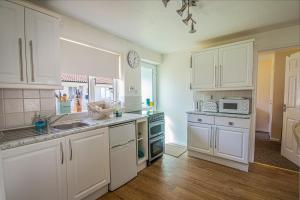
(123, 164)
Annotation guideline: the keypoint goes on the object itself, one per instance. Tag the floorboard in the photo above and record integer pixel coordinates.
(190, 178)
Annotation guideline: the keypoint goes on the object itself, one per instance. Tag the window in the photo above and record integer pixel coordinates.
(79, 90)
(148, 80)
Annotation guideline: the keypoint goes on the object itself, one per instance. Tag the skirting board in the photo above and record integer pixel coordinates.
(221, 161)
(97, 194)
(142, 166)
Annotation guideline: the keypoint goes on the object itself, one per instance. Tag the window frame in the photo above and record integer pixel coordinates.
(153, 67)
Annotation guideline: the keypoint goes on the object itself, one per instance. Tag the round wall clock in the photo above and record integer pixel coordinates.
(133, 59)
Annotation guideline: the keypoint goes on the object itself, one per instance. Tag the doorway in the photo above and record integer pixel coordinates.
(270, 108)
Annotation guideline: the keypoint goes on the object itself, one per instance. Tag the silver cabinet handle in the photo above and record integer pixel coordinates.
(199, 120)
(216, 137)
(230, 123)
(62, 153)
(211, 135)
(21, 59)
(71, 149)
(31, 58)
(220, 75)
(216, 76)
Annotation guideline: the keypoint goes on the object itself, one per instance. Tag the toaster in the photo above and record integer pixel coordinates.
(210, 106)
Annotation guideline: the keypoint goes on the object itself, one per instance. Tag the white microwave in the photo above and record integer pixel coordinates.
(234, 105)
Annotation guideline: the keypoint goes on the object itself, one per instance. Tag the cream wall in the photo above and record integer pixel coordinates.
(173, 78)
(264, 92)
(81, 32)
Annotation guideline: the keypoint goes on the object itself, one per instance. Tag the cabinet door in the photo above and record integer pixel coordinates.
(204, 66)
(42, 43)
(200, 138)
(12, 43)
(232, 143)
(35, 172)
(235, 66)
(88, 163)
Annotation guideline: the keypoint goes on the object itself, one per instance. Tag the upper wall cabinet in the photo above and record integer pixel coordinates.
(12, 42)
(29, 48)
(228, 67)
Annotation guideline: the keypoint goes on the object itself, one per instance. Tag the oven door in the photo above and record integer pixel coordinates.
(156, 129)
(156, 147)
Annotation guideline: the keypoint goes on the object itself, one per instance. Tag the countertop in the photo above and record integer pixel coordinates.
(220, 114)
(20, 137)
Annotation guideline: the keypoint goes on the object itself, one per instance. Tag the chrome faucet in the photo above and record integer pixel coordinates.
(50, 121)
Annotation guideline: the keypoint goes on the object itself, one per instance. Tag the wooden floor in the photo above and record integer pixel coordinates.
(186, 178)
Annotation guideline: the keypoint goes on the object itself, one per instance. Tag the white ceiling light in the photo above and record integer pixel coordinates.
(186, 4)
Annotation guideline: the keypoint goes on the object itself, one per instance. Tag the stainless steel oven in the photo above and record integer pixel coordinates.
(156, 132)
(156, 147)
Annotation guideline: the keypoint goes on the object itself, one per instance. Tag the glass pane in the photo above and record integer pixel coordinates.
(147, 84)
(74, 95)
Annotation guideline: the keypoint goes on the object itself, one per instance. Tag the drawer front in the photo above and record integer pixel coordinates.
(232, 122)
(201, 119)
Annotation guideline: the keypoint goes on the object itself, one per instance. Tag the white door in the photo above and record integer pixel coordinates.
(88, 163)
(289, 147)
(200, 138)
(235, 65)
(12, 43)
(42, 48)
(35, 172)
(204, 65)
(232, 143)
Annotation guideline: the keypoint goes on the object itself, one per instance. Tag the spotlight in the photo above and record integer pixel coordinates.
(187, 19)
(193, 30)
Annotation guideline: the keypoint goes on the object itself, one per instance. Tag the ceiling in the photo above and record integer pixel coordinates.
(150, 24)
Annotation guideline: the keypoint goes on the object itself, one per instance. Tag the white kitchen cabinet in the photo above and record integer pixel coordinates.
(35, 172)
(232, 143)
(29, 47)
(204, 69)
(236, 65)
(227, 67)
(42, 49)
(12, 43)
(200, 138)
(88, 163)
(224, 140)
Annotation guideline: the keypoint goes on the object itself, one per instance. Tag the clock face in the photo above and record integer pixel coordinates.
(134, 59)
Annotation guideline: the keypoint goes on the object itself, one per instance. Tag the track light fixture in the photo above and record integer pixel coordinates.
(183, 7)
(186, 4)
(165, 2)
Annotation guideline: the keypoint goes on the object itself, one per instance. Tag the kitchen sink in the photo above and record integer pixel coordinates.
(70, 126)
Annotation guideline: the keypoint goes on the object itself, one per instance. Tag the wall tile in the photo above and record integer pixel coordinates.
(13, 105)
(46, 93)
(12, 93)
(14, 120)
(31, 105)
(28, 116)
(48, 104)
(31, 93)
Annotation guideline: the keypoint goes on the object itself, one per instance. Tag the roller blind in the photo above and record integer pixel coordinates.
(77, 58)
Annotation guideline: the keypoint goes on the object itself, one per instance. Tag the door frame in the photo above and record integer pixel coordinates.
(271, 92)
(271, 47)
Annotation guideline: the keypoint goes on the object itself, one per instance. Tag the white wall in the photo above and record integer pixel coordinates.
(173, 77)
(78, 31)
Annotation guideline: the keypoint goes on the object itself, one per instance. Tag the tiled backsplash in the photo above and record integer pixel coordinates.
(18, 106)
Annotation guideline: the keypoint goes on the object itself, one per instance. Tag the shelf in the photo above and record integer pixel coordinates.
(141, 160)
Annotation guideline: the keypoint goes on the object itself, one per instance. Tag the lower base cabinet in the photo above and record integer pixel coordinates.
(67, 168)
(88, 163)
(35, 172)
(227, 142)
